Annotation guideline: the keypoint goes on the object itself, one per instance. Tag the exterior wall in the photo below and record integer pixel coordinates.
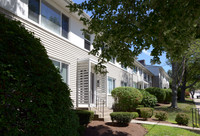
(68, 50)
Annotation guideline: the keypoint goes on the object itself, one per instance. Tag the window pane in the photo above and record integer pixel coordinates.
(87, 45)
(34, 10)
(64, 72)
(50, 18)
(56, 64)
(87, 36)
(65, 26)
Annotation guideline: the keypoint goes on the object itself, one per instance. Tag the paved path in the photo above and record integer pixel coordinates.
(163, 124)
(197, 103)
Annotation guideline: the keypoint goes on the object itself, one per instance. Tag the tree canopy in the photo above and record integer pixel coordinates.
(123, 28)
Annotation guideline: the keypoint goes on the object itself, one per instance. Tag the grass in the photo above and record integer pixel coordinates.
(156, 130)
(182, 107)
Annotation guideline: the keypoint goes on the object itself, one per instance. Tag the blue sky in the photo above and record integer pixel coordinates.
(146, 53)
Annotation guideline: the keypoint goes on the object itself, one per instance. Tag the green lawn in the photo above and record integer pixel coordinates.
(182, 107)
(156, 130)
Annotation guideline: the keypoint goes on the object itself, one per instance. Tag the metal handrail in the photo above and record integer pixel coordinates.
(100, 103)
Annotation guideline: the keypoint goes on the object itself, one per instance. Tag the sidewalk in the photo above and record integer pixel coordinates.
(197, 103)
(163, 124)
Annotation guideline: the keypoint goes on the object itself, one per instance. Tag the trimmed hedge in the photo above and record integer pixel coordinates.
(182, 119)
(34, 99)
(148, 100)
(158, 92)
(161, 115)
(168, 98)
(123, 118)
(126, 98)
(134, 114)
(85, 116)
(145, 109)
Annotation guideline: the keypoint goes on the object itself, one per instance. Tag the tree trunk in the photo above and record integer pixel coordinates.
(174, 85)
(183, 88)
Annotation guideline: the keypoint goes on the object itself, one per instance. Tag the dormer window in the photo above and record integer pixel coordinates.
(87, 42)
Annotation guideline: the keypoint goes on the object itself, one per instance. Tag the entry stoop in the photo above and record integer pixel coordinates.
(102, 116)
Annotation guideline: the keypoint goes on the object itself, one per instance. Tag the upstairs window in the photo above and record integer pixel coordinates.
(135, 69)
(48, 17)
(34, 10)
(65, 26)
(145, 76)
(87, 41)
(140, 71)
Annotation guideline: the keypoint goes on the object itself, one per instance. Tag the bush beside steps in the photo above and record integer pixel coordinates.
(123, 118)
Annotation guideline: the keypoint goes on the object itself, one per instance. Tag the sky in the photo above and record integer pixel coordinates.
(145, 53)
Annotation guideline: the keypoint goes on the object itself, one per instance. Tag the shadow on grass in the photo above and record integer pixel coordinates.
(101, 130)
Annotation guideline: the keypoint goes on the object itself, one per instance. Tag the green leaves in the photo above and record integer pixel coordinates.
(34, 100)
(128, 27)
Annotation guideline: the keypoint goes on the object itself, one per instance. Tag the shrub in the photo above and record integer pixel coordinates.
(126, 98)
(145, 112)
(134, 114)
(161, 115)
(182, 119)
(85, 116)
(148, 100)
(34, 99)
(159, 93)
(168, 98)
(121, 117)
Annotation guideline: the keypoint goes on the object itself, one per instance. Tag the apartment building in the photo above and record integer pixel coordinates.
(68, 47)
(160, 78)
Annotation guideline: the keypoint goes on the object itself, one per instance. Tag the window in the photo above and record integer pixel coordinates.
(140, 71)
(111, 84)
(148, 78)
(63, 68)
(135, 69)
(123, 83)
(65, 26)
(112, 60)
(87, 41)
(34, 10)
(50, 18)
(125, 68)
(145, 76)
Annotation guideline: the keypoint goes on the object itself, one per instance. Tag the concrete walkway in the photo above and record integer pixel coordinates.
(197, 103)
(163, 124)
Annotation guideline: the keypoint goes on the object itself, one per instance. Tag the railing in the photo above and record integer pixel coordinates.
(195, 117)
(100, 103)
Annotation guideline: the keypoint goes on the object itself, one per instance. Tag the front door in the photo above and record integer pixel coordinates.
(92, 86)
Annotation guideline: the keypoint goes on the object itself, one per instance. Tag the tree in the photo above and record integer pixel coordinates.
(34, 100)
(125, 27)
(192, 68)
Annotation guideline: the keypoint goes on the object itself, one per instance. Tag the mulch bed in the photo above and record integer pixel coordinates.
(100, 128)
